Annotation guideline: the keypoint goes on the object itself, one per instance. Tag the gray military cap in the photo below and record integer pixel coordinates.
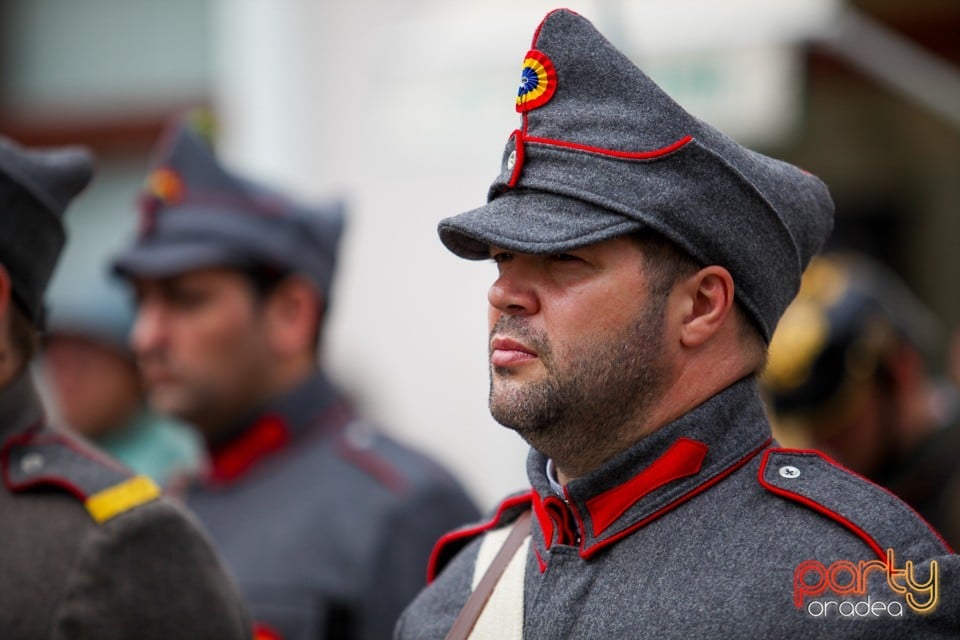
(603, 151)
(196, 214)
(36, 186)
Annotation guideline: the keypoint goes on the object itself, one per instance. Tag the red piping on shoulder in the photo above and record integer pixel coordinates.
(469, 532)
(832, 514)
(33, 436)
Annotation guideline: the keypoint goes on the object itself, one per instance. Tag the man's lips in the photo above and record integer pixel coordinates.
(156, 376)
(505, 352)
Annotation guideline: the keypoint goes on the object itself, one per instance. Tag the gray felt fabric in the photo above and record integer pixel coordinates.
(761, 218)
(146, 573)
(36, 186)
(214, 218)
(710, 555)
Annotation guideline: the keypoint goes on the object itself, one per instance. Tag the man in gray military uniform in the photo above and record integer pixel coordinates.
(88, 550)
(644, 259)
(326, 524)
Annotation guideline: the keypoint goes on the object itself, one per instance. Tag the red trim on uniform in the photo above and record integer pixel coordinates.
(558, 511)
(262, 631)
(268, 435)
(586, 553)
(470, 532)
(34, 436)
(626, 155)
(546, 522)
(684, 458)
(835, 516)
(540, 562)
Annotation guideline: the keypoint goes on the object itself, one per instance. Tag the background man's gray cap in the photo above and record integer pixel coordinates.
(603, 152)
(196, 214)
(36, 186)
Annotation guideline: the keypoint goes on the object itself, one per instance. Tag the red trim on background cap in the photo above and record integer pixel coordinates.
(470, 532)
(824, 510)
(626, 155)
(228, 203)
(518, 164)
(268, 435)
(684, 458)
(588, 552)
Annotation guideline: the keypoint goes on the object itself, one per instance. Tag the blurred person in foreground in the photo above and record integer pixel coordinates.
(326, 523)
(847, 375)
(95, 385)
(88, 550)
(643, 260)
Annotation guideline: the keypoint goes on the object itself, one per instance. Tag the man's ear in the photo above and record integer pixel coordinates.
(294, 315)
(708, 301)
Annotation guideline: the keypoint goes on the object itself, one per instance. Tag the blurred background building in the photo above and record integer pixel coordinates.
(403, 110)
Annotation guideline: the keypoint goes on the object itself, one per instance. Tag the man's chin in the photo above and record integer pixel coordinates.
(170, 401)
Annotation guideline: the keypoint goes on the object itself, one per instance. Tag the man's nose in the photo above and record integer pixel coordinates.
(147, 329)
(513, 294)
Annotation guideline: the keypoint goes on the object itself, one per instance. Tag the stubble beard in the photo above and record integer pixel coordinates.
(587, 407)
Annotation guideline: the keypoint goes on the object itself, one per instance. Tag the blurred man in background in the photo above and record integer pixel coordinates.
(327, 524)
(95, 385)
(847, 375)
(88, 551)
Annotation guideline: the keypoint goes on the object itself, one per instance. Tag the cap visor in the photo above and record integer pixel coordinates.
(162, 260)
(529, 221)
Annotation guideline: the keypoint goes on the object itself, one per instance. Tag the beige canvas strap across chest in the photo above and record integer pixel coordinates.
(494, 610)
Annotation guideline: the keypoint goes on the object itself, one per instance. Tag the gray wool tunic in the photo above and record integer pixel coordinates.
(326, 524)
(143, 572)
(705, 529)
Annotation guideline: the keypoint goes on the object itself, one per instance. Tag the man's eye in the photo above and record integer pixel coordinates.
(188, 299)
(500, 257)
(564, 257)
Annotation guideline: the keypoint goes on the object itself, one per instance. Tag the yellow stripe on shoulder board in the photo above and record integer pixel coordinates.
(122, 497)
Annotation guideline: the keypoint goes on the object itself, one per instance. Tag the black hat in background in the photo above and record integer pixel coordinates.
(36, 186)
(850, 315)
(196, 214)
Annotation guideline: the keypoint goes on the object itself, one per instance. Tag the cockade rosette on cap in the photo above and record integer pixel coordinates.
(603, 151)
(196, 214)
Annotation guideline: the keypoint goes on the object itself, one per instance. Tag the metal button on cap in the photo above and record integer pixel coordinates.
(31, 463)
(789, 472)
(512, 160)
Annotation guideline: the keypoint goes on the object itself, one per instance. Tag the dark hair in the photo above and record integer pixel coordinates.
(264, 278)
(666, 262)
(24, 336)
